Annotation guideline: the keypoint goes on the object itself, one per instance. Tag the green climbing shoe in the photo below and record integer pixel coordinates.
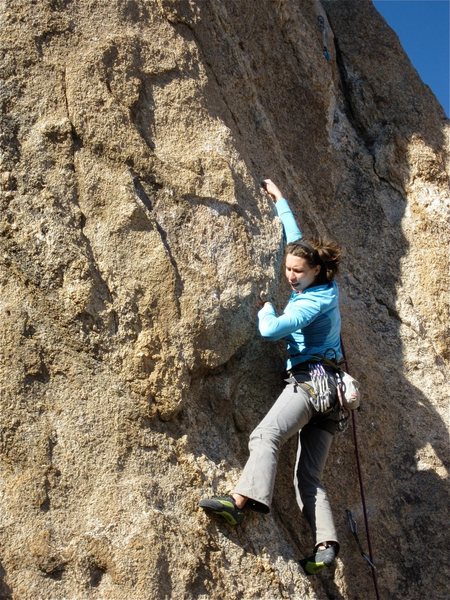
(224, 507)
(322, 558)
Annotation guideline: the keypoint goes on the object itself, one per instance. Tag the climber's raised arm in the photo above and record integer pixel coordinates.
(291, 230)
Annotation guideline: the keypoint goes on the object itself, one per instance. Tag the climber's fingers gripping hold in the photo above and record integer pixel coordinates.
(262, 299)
(270, 188)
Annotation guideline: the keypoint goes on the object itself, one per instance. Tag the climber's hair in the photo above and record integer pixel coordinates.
(318, 251)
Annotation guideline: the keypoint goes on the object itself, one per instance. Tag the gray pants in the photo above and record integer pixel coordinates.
(291, 413)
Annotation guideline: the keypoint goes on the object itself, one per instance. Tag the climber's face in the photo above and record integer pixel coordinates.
(299, 274)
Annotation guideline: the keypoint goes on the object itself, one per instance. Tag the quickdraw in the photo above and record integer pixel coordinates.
(319, 380)
(321, 25)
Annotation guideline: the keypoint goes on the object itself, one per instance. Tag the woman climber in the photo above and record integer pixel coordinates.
(310, 324)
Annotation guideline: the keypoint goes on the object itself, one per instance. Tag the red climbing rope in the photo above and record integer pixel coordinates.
(368, 558)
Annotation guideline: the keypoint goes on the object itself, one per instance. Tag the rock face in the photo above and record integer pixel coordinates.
(134, 243)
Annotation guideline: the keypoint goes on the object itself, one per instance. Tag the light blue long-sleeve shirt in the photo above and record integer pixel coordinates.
(291, 230)
(311, 321)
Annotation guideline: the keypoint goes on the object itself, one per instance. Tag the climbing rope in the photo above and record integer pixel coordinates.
(352, 523)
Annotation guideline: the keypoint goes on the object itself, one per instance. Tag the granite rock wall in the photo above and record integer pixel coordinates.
(134, 243)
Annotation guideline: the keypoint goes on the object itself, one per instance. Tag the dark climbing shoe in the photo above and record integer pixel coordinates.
(224, 507)
(322, 558)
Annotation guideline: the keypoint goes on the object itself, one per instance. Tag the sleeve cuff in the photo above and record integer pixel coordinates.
(267, 309)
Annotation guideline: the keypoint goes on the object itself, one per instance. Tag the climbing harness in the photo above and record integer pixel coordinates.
(322, 397)
(352, 522)
(347, 388)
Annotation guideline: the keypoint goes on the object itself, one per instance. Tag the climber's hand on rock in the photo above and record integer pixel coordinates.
(270, 188)
(263, 298)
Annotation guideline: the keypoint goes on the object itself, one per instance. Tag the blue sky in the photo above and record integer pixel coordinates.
(423, 29)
